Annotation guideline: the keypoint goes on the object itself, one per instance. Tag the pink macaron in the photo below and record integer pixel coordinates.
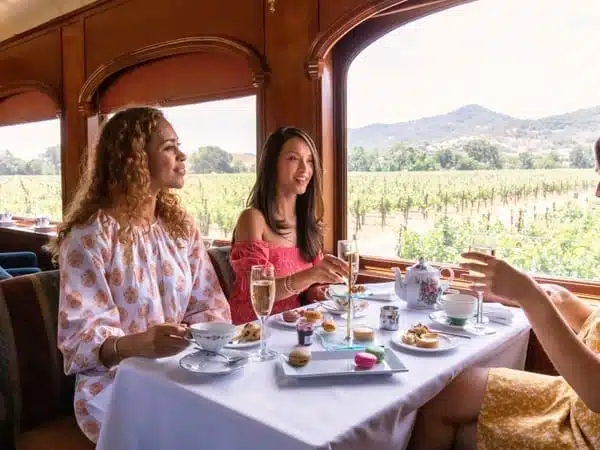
(364, 360)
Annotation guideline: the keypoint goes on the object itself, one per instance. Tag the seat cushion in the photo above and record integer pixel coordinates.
(60, 434)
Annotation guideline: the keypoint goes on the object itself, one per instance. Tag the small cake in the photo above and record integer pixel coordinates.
(329, 326)
(363, 334)
(409, 338)
(378, 352)
(299, 357)
(428, 340)
(312, 316)
(364, 360)
(290, 316)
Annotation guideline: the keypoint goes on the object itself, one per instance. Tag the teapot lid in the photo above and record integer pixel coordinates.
(421, 266)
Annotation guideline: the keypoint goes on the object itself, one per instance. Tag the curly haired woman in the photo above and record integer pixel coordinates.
(132, 263)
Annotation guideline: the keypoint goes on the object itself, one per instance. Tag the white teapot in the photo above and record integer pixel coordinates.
(422, 285)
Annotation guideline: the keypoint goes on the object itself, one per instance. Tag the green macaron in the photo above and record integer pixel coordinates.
(379, 352)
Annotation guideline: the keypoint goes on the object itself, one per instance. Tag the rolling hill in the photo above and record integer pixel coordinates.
(561, 132)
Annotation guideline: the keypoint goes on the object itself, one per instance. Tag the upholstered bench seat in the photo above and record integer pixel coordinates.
(60, 434)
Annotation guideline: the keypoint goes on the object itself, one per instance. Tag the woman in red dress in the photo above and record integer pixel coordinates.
(283, 226)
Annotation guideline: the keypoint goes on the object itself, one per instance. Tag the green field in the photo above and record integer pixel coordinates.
(545, 220)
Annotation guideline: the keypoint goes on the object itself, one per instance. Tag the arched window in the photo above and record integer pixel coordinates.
(30, 154)
(479, 120)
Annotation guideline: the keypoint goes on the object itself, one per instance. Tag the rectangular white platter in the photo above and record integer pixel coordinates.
(341, 363)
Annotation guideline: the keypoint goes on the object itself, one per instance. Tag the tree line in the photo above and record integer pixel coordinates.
(208, 159)
(477, 154)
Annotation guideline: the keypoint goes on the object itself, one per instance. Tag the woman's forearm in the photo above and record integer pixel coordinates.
(296, 283)
(573, 360)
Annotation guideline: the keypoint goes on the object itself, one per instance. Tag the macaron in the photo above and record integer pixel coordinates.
(364, 360)
(290, 316)
(299, 357)
(379, 352)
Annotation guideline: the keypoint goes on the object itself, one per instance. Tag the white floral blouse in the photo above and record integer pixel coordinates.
(112, 289)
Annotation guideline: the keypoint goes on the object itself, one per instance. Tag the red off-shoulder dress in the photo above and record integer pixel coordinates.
(244, 255)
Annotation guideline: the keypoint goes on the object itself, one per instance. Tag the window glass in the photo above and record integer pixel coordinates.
(480, 120)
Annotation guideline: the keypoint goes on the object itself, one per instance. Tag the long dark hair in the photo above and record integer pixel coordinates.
(309, 206)
(597, 149)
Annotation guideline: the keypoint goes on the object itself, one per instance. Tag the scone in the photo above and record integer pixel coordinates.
(312, 316)
(250, 332)
(328, 326)
(299, 357)
(428, 340)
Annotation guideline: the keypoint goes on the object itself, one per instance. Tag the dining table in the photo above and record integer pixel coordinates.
(156, 404)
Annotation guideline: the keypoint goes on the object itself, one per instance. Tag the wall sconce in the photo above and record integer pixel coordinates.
(271, 6)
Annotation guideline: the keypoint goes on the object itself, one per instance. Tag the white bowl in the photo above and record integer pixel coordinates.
(459, 307)
(212, 336)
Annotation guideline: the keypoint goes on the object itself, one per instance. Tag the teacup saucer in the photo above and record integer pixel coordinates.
(200, 362)
(441, 318)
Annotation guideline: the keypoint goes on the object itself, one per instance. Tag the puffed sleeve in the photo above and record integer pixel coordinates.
(207, 301)
(243, 256)
(87, 313)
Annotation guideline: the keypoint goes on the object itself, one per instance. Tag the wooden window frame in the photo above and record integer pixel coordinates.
(343, 53)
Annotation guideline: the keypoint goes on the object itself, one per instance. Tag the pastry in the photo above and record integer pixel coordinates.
(409, 338)
(328, 326)
(364, 360)
(250, 332)
(299, 357)
(363, 334)
(312, 316)
(378, 352)
(359, 289)
(428, 340)
(290, 316)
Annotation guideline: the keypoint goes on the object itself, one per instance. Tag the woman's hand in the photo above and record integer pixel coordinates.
(499, 278)
(330, 270)
(158, 341)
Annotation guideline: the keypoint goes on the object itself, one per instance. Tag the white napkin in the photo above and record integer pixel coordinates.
(498, 313)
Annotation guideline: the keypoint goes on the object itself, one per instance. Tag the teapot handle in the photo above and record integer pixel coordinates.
(449, 269)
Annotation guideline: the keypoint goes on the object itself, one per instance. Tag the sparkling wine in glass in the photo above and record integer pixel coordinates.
(487, 246)
(262, 296)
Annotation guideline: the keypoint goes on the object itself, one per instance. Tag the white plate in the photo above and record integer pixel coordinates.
(43, 229)
(445, 344)
(341, 363)
(278, 319)
(200, 362)
(441, 318)
(240, 345)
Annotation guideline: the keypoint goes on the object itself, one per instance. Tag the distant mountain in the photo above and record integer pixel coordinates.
(561, 132)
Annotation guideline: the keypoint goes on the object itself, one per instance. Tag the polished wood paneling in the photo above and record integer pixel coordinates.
(30, 106)
(74, 125)
(178, 80)
(138, 23)
(37, 58)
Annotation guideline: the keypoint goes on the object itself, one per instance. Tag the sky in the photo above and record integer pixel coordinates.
(525, 58)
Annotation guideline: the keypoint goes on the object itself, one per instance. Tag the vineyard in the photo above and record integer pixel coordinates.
(544, 220)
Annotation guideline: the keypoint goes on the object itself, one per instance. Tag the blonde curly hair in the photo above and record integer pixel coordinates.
(117, 174)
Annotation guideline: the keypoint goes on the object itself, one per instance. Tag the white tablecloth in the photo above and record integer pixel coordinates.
(157, 405)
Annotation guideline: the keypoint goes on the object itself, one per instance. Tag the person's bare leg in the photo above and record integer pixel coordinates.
(457, 405)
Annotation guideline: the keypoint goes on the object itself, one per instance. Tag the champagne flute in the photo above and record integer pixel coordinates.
(262, 295)
(487, 246)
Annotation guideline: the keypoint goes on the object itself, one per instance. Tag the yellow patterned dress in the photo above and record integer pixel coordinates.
(523, 410)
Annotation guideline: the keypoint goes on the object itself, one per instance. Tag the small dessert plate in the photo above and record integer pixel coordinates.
(441, 318)
(242, 344)
(446, 344)
(201, 362)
